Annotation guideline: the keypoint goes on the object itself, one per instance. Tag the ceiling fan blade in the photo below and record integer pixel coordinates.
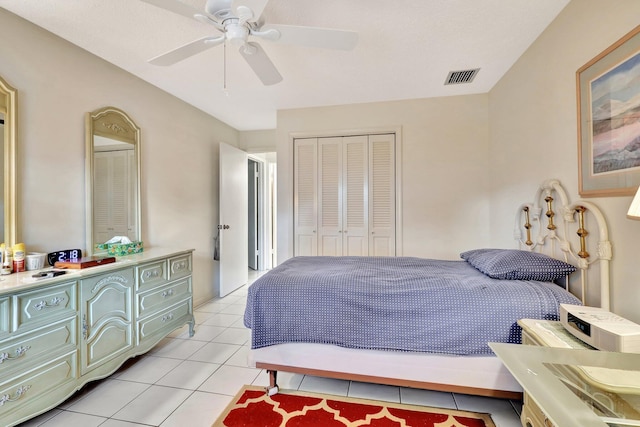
(260, 63)
(256, 6)
(175, 7)
(309, 36)
(186, 51)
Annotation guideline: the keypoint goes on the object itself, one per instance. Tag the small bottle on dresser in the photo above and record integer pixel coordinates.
(18, 257)
(7, 260)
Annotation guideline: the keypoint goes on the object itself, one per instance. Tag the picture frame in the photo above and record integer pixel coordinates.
(608, 98)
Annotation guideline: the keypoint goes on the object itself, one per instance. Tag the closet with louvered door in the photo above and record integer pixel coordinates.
(350, 210)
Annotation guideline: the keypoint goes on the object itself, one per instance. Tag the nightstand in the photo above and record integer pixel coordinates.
(575, 387)
(548, 333)
(543, 333)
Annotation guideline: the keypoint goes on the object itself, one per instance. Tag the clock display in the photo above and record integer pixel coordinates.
(65, 255)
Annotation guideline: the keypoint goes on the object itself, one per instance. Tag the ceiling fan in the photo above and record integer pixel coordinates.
(239, 20)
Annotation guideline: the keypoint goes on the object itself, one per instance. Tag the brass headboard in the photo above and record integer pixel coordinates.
(568, 231)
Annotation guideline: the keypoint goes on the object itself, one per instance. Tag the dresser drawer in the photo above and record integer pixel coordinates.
(45, 304)
(31, 386)
(160, 298)
(151, 275)
(18, 351)
(532, 415)
(180, 266)
(166, 320)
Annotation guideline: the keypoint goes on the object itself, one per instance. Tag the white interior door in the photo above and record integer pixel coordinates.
(233, 207)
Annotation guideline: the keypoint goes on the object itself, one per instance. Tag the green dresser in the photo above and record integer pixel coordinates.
(57, 334)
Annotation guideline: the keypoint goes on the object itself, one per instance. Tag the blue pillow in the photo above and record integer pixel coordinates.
(513, 264)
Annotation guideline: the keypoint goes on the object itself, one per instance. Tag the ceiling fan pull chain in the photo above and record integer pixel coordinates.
(224, 69)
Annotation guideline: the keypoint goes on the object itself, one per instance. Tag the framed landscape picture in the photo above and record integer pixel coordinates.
(608, 92)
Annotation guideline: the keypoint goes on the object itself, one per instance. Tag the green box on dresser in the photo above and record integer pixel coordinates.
(58, 334)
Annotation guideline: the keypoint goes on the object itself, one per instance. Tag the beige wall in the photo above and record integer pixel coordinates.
(57, 84)
(533, 130)
(445, 201)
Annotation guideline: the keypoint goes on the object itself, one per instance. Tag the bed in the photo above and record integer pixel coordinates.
(426, 323)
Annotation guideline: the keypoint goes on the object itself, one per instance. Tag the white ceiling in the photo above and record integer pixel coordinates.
(405, 49)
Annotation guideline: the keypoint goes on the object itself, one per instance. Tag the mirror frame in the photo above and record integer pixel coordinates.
(113, 123)
(9, 153)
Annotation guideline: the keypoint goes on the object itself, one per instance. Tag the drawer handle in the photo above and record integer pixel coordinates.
(20, 391)
(167, 293)
(167, 317)
(20, 351)
(180, 266)
(151, 274)
(55, 302)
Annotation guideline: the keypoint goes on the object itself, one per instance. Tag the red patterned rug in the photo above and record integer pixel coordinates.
(252, 407)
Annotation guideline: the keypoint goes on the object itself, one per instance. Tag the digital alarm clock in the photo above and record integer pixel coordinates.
(65, 255)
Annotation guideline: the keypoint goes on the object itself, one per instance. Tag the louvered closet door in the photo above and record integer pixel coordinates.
(111, 204)
(330, 196)
(382, 195)
(305, 201)
(344, 196)
(355, 212)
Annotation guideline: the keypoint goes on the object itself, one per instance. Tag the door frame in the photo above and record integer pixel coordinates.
(266, 243)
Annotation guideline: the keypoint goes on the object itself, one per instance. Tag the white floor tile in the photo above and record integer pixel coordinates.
(235, 298)
(501, 410)
(202, 333)
(229, 380)
(234, 309)
(108, 397)
(214, 352)
(153, 406)
(202, 316)
(220, 319)
(239, 358)
(374, 391)
(199, 410)
(148, 369)
(40, 419)
(238, 324)
(234, 336)
(176, 348)
(324, 385)
(436, 399)
(188, 375)
(481, 404)
(212, 307)
(73, 419)
(118, 423)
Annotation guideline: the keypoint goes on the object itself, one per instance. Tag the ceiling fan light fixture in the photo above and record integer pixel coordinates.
(236, 34)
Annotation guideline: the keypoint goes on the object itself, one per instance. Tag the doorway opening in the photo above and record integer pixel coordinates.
(261, 218)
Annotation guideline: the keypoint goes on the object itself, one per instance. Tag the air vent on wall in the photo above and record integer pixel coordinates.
(458, 77)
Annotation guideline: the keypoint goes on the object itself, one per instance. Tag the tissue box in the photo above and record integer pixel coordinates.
(122, 249)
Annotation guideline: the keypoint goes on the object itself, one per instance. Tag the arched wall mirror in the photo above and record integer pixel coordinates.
(8, 129)
(112, 177)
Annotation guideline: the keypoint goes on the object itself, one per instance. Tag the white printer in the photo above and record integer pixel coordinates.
(600, 328)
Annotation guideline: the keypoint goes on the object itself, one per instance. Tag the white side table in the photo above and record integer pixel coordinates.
(544, 333)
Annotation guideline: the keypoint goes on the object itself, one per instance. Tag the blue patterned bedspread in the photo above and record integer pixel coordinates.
(394, 303)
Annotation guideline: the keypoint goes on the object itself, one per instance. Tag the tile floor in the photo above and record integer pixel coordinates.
(189, 381)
